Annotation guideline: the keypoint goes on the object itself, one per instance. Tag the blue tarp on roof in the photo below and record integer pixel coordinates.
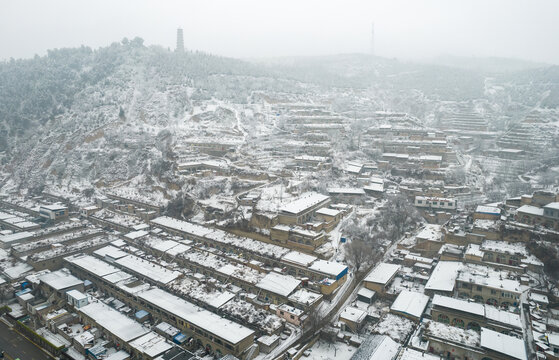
(179, 338)
(141, 314)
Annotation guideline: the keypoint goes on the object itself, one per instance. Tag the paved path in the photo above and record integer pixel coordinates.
(16, 346)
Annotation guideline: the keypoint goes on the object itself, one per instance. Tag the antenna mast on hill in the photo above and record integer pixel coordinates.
(180, 41)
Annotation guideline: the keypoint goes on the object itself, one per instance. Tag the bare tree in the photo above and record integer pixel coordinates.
(359, 252)
(398, 217)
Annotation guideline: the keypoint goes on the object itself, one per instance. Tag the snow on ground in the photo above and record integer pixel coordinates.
(322, 350)
(397, 327)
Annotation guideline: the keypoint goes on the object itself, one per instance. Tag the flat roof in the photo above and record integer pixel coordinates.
(180, 225)
(110, 251)
(410, 303)
(328, 267)
(553, 205)
(279, 284)
(458, 304)
(353, 314)
(303, 203)
(430, 232)
(92, 264)
(60, 279)
(503, 344)
(374, 187)
(148, 269)
(54, 207)
(78, 295)
(382, 273)
(133, 235)
(443, 277)
(298, 258)
(328, 212)
(529, 209)
(502, 316)
(16, 236)
(113, 321)
(488, 210)
(411, 354)
(204, 319)
(368, 293)
(151, 344)
(350, 191)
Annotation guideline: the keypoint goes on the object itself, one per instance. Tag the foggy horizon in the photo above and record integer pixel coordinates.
(251, 30)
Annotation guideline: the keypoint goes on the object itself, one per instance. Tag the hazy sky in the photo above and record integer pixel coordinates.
(413, 29)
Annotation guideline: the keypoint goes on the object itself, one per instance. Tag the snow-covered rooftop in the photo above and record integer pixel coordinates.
(298, 258)
(60, 279)
(206, 320)
(458, 304)
(431, 232)
(410, 303)
(353, 314)
(553, 205)
(151, 344)
(331, 268)
(113, 321)
(510, 346)
(111, 252)
(382, 273)
(443, 277)
(148, 269)
(328, 212)
(279, 284)
(92, 264)
(529, 209)
(303, 203)
(488, 210)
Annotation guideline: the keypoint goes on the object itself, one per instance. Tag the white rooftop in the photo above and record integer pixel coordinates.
(331, 268)
(303, 203)
(210, 322)
(411, 354)
(443, 277)
(136, 234)
(488, 210)
(15, 237)
(411, 303)
(353, 314)
(553, 205)
(382, 273)
(460, 305)
(151, 344)
(78, 295)
(430, 232)
(299, 258)
(181, 225)
(504, 344)
(148, 269)
(279, 284)
(111, 252)
(92, 264)
(113, 321)
(529, 209)
(60, 279)
(328, 212)
(54, 207)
